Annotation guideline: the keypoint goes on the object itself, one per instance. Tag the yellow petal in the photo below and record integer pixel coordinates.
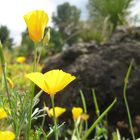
(58, 111)
(20, 59)
(3, 114)
(36, 22)
(84, 117)
(51, 82)
(77, 112)
(57, 80)
(7, 135)
(38, 79)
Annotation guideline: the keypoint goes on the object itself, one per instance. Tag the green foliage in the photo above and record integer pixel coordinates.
(27, 46)
(116, 10)
(66, 20)
(5, 37)
(116, 135)
(93, 34)
(100, 33)
(56, 42)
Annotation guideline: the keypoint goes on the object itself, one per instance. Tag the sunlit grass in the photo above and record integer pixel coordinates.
(16, 72)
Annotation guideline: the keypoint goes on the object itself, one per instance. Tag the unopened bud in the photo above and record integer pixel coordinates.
(46, 38)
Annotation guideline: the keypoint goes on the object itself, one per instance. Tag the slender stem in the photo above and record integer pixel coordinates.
(4, 74)
(129, 116)
(98, 120)
(96, 103)
(81, 128)
(77, 131)
(100, 125)
(73, 133)
(35, 58)
(43, 120)
(32, 94)
(17, 134)
(39, 56)
(54, 117)
(125, 99)
(85, 108)
(6, 86)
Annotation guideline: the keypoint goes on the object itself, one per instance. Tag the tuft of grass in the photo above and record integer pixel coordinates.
(116, 10)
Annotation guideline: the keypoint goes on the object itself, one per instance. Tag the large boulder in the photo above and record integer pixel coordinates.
(103, 68)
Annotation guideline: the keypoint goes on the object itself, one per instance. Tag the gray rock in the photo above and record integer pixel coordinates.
(103, 68)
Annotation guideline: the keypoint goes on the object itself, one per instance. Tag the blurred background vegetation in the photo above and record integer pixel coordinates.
(68, 28)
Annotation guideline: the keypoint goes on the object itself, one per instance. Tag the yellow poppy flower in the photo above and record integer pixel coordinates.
(58, 111)
(20, 59)
(3, 114)
(52, 81)
(7, 135)
(85, 117)
(36, 22)
(77, 112)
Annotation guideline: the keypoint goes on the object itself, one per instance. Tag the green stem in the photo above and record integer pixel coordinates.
(35, 58)
(81, 128)
(54, 117)
(98, 120)
(83, 101)
(39, 56)
(96, 103)
(125, 99)
(17, 134)
(100, 125)
(4, 74)
(43, 120)
(75, 131)
(6, 86)
(85, 108)
(32, 95)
